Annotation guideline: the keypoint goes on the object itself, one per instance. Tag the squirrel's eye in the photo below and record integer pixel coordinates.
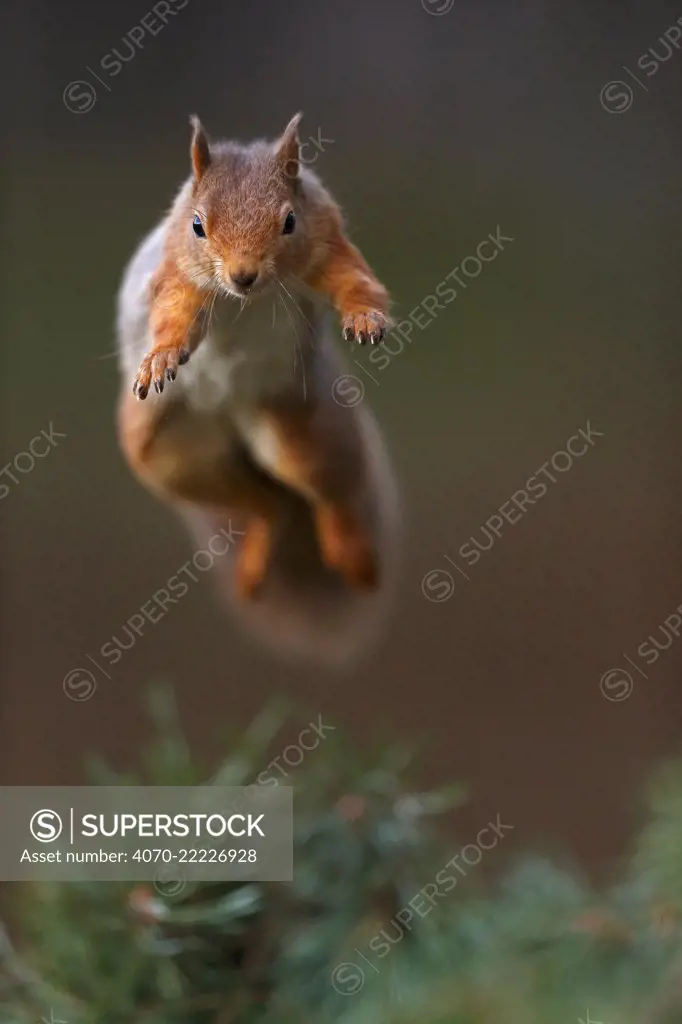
(198, 226)
(289, 223)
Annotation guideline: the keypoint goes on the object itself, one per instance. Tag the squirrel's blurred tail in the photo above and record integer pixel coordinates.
(302, 608)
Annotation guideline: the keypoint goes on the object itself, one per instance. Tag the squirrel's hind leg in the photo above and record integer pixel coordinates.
(200, 459)
(318, 453)
(184, 455)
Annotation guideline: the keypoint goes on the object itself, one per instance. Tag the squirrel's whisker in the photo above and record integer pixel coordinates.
(216, 293)
(297, 343)
(244, 302)
(209, 303)
(282, 285)
(201, 310)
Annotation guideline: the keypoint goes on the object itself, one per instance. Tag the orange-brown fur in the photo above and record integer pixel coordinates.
(175, 304)
(360, 299)
(201, 459)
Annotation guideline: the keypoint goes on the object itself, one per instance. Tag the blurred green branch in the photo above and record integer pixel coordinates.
(354, 936)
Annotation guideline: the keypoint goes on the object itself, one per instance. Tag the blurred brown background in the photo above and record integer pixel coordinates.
(445, 126)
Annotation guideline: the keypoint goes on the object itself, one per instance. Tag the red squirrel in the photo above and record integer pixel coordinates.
(228, 408)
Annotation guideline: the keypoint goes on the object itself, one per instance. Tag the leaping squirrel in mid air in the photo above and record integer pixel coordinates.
(231, 408)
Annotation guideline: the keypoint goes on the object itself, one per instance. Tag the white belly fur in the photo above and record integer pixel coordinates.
(247, 353)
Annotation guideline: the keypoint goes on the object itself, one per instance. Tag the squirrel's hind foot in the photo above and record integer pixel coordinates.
(252, 561)
(347, 548)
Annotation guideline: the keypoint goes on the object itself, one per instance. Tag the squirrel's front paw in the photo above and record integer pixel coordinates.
(157, 367)
(360, 326)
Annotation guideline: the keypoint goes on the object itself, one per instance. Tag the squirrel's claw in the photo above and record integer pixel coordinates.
(361, 327)
(143, 380)
(157, 368)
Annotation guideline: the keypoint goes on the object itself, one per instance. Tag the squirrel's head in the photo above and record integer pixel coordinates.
(245, 228)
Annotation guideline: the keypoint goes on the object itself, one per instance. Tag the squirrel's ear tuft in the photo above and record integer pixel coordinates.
(199, 150)
(288, 148)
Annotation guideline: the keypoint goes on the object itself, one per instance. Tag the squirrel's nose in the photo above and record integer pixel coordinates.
(244, 278)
